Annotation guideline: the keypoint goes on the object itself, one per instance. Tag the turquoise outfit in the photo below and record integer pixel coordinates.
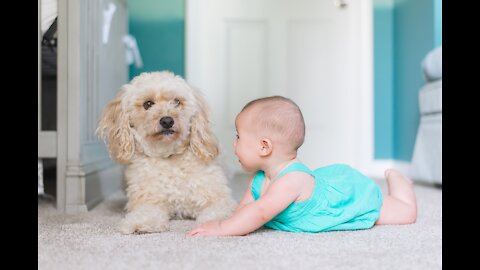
(343, 199)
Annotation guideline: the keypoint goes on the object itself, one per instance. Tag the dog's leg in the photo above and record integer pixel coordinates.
(218, 210)
(145, 219)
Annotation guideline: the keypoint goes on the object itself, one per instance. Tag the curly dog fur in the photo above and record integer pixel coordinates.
(158, 126)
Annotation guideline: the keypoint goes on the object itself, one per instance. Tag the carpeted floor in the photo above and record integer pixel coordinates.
(91, 241)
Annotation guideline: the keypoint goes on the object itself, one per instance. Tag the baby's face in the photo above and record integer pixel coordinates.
(246, 143)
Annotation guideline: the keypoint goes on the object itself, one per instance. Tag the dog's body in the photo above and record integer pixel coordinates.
(158, 127)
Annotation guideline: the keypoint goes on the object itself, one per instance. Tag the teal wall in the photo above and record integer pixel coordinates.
(159, 27)
(383, 79)
(437, 21)
(404, 32)
(414, 38)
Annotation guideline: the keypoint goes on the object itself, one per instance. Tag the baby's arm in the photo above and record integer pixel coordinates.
(247, 197)
(252, 216)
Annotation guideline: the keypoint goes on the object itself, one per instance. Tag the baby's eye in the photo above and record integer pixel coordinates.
(176, 102)
(148, 104)
(237, 137)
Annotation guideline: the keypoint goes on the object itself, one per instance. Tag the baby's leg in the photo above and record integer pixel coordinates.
(400, 205)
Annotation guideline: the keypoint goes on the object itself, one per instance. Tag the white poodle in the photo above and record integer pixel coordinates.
(158, 126)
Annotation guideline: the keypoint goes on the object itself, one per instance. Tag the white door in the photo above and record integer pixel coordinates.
(307, 50)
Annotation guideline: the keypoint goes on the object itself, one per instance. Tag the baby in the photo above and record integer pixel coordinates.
(284, 194)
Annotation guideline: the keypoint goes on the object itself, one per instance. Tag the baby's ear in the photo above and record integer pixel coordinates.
(114, 129)
(266, 147)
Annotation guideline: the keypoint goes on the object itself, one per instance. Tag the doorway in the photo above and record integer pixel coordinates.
(318, 53)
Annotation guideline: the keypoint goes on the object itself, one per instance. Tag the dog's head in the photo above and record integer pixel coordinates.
(157, 114)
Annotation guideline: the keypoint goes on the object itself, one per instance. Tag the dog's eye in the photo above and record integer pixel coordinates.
(176, 102)
(148, 104)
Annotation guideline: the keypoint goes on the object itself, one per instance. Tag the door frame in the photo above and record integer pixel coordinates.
(364, 142)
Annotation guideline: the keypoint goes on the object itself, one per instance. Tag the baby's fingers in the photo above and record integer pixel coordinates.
(194, 232)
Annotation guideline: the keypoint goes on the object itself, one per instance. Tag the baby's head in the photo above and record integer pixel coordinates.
(276, 118)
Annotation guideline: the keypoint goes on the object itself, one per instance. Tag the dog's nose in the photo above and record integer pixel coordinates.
(167, 122)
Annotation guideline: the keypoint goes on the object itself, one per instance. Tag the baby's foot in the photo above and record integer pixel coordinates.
(394, 173)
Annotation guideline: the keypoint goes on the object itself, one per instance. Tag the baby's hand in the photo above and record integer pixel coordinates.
(208, 228)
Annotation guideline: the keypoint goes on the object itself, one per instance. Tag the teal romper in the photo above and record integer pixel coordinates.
(343, 199)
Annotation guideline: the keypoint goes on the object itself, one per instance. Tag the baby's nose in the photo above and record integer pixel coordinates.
(167, 122)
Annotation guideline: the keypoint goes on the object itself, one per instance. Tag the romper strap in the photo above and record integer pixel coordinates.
(257, 184)
(295, 167)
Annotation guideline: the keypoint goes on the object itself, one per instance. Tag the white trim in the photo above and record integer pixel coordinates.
(193, 54)
(365, 124)
(47, 144)
(376, 168)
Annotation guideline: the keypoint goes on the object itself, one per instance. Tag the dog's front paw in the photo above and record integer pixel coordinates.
(128, 226)
(145, 219)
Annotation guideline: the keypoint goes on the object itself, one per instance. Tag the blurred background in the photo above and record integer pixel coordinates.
(403, 32)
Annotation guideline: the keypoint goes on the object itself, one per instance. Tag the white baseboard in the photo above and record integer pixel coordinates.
(376, 168)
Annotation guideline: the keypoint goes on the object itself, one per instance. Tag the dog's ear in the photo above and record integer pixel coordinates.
(202, 140)
(114, 128)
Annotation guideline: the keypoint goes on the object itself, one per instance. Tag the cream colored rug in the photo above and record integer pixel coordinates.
(90, 241)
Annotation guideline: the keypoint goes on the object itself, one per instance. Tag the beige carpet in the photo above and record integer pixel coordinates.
(90, 241)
